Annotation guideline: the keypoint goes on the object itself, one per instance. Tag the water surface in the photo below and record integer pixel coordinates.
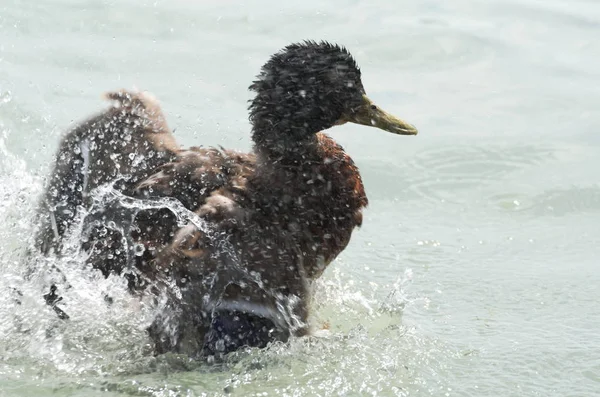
(475, 273)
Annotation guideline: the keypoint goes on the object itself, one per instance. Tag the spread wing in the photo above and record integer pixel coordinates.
(124, 143)
(131, 146)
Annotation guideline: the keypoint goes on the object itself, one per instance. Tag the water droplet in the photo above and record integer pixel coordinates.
(138, 249)
(5, 97)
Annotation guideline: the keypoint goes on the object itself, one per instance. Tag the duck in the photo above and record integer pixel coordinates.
(233, 241)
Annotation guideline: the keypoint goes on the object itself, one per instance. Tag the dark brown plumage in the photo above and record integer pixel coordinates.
(271, 220)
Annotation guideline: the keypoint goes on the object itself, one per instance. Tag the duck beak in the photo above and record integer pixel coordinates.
(371, 115)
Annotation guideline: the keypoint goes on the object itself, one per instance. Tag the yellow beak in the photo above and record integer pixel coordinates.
(371, 115)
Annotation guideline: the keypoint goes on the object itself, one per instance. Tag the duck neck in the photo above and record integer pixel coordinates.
(279, 143)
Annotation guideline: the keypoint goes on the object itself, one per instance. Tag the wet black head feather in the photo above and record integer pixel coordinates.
(303, 89)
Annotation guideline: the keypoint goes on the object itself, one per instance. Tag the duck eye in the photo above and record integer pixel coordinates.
(373, 107)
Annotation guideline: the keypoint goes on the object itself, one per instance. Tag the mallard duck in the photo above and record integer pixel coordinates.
(260, 226)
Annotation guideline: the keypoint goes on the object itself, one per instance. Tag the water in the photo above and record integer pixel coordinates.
(475, 273)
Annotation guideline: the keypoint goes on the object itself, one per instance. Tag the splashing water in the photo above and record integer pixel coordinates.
(103, 345)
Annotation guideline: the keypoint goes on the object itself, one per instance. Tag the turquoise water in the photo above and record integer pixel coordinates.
(476, 270)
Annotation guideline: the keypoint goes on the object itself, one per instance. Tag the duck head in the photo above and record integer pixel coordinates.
(309, 87)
